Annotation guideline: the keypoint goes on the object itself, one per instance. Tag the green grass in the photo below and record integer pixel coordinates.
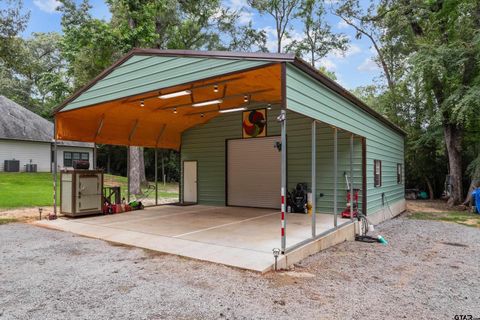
(460, 217)
(21, 189)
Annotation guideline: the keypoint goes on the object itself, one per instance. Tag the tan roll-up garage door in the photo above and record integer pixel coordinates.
(253, 172)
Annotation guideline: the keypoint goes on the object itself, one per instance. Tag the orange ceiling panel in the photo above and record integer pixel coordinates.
(160, 122)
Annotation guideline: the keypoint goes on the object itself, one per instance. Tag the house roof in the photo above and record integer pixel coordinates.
(258, 56)
(19, 123)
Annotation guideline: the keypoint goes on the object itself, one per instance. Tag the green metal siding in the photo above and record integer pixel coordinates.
(307, 96)
(206, 144)
(141, 74)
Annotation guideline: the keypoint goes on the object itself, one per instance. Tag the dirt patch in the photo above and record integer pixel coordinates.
(26, 214)
(427, 206)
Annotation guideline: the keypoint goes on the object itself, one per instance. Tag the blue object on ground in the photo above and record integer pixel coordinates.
(476, 196)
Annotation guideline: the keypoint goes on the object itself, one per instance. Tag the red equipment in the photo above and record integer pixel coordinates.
(346, 212)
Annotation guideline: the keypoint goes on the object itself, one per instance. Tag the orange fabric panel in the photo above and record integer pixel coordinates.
(157, 123)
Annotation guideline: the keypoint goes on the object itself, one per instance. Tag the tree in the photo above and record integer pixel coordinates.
(318, 40)
(446, 63)
(328, 73)
(32, 71)
(282, 11)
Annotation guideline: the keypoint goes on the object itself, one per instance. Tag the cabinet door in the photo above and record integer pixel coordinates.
(88, 193)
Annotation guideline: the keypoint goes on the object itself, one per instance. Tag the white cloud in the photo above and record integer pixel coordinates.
(328, 64)
(368, 65)
(49, 6)
(271, 33)
(342, 25)
(241, 6)
(352, 49)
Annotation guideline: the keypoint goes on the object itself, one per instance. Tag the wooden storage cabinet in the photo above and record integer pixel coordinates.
(81, 192)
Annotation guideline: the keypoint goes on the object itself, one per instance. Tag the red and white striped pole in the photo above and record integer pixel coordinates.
(283, 219)
(283, 123)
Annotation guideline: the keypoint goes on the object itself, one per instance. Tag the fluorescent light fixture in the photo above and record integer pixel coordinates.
(207, 103)
(175, 94)
(232, 110)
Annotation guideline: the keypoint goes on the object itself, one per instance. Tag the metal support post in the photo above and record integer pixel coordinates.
(128, 174)
(335, 176)
(314, 178)
(94, 160)
(156, 176)
(55, 176)
(283, 123)
(351, 177)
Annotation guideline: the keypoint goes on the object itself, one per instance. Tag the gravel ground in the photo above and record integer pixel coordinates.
(428, 270)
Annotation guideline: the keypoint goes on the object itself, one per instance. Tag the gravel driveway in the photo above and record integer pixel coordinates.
(428, 270)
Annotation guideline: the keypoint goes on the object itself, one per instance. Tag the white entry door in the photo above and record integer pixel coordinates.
(254, 175)
(190, 181)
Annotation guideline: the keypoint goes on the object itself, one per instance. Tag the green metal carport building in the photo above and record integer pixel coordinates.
(249, 127)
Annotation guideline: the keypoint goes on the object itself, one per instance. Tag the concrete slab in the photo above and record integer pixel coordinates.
(238, 237)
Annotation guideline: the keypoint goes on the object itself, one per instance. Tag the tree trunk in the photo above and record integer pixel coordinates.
(430, 188)
(453, 141)
(108, 160)
(141, 165)
(137, 170)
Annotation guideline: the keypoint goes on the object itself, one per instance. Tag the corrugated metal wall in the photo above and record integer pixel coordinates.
(307, 96)
(206, 144)
(141, 74)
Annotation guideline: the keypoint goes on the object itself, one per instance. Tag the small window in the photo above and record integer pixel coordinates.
(76, 155)
(67, 159)
(377, 173)
(399, 173)
(84, 155)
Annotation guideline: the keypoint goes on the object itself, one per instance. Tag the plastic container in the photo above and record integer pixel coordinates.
(382, 240)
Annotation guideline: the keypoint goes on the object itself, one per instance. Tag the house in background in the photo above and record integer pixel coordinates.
(27, 137)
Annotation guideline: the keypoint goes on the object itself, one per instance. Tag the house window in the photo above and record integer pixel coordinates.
(69, 157)
(399, 173)
(377, 173)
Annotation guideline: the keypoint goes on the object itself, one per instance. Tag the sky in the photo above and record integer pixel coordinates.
(353, 68)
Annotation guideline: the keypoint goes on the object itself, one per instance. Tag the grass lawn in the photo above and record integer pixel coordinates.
(460, 217)
(21, 189)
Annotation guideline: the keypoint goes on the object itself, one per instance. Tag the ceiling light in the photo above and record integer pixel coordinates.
(174, 110)
(142, 103)
(215, 88)
(175, 94)
(269, 106)
(207, 103)
(245, 98)
(232, 110)
(202, 115)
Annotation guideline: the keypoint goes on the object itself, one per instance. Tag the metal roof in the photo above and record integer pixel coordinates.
(250, 56)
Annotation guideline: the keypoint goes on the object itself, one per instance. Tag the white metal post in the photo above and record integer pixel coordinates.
(351, 177)
(94, 160)
(55, 175)
(283, 124)
(128, 174)
(156, 176)
(335, 174)
(314, 178)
